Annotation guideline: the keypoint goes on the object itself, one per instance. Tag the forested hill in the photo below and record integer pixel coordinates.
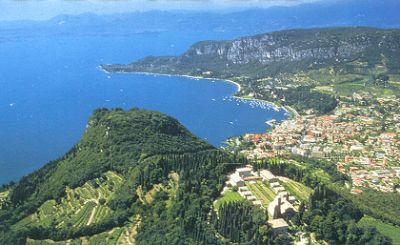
(126, 162)
(276, 52)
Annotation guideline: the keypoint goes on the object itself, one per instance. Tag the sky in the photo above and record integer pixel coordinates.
(46, 9)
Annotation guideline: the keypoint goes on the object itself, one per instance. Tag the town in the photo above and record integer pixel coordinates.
(361, 136)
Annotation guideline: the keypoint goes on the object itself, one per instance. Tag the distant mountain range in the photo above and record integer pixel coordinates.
(382, 14)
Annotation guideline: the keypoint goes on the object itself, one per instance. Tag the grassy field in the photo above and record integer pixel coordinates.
(348, 88)
(80, 207)
(263, 192)
(300, 191)
(346, 83)
(386, 229)
(228, 196)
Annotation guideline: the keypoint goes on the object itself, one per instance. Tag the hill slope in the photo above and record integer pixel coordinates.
(119, 172)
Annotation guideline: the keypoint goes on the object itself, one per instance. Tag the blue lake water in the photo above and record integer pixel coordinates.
(50, 85)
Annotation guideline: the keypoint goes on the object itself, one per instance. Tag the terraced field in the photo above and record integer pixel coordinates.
(300, 191)
(80, 207)
(117, 236)
(263, 192)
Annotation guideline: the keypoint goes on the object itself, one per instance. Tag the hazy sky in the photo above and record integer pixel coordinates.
(45, 9)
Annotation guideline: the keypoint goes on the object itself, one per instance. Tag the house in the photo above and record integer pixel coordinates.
(236, 180)
(275, 184)
(252, 178)
(281, 208)
(246, 194)
(278, 189)
(251, 198)
(268, 176)
(279, 226)
(244, 172)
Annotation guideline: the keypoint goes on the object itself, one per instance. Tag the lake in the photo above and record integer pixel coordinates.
(50, 85)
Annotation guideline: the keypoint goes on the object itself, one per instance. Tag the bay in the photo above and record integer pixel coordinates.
(50, 85)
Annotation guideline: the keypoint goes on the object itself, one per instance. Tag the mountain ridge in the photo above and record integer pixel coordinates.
(315, 45)
(358, 13)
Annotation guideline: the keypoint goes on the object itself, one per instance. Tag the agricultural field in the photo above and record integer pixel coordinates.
(80, 207)
(300, 191)
(228, 196)
(117, 236)
(263, 192)
(348, 88)
(171, 189)
(386, 229)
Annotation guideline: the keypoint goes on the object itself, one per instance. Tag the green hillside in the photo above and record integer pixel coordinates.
(386, 229)
(129, 166)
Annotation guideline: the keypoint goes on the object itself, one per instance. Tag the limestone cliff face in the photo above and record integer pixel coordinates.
(282, 51)
(274, 47)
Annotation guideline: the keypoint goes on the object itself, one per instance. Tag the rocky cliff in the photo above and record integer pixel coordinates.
(300, 48)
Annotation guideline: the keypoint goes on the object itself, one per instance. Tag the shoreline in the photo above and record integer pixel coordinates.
(239, 87)
(292, 112)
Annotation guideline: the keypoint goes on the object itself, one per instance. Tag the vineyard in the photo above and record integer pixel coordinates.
(262, 191)
(116, 236)
(300, 191)
(80, 207)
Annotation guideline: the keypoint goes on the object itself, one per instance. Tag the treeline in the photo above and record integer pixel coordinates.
(243, 223)
(334, 219)
(380, 205)
(305, 174)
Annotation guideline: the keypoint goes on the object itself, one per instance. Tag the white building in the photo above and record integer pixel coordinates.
(268, 176)
(278, 226)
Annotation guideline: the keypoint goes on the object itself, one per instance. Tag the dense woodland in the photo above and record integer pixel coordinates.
(242, 222)
(144, 147)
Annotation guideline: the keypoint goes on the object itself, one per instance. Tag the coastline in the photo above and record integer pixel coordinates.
(239, 87)
(292, 112)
